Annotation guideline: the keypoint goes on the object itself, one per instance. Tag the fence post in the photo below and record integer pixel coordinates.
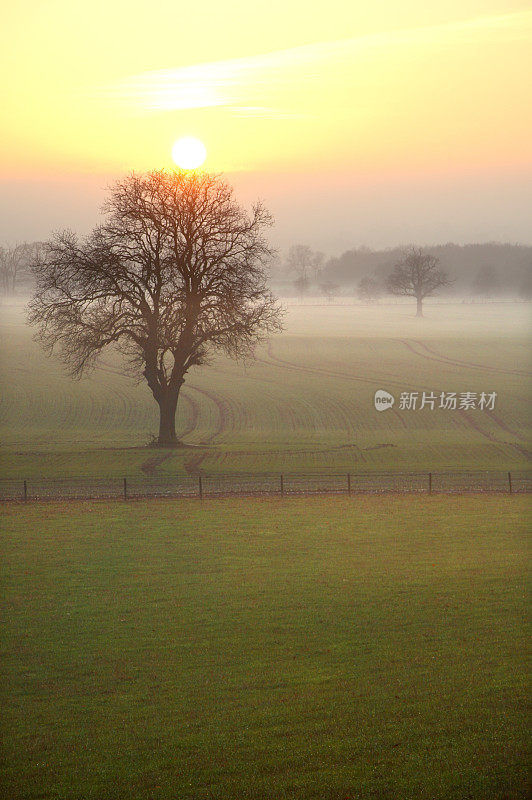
(282, 486)
(348, 483)
(200, 487)
(25, 491)
(125, 488)
(510, 482)
(430, 482)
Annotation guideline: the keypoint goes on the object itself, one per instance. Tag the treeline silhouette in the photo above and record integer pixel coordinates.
(483, 270)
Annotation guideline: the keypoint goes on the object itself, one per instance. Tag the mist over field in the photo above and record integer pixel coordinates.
(306, 402)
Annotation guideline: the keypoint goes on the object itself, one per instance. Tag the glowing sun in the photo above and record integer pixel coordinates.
(189, 152)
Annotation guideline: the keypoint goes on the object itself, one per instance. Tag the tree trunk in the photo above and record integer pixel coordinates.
(167, 408)
(419, 312)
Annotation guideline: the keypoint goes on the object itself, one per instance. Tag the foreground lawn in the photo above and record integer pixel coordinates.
(332, 648)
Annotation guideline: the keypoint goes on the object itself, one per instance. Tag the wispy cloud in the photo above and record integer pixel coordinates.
(243, 84)
(257, 85)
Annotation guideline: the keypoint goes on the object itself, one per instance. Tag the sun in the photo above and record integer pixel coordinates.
(189, 152)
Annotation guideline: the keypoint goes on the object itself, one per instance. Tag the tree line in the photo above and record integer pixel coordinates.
(478, 271)
(481, 271)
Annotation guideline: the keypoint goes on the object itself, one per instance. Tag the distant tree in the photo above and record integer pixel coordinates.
(329, 289)
(317, 262)
(304, 262)
(15, 262)
(417, 275)
(175, 273)
(5, 277)
(525, 284)
(486, 282)
(302, 285)
(369, 289)
(463, 261)
(299, 260)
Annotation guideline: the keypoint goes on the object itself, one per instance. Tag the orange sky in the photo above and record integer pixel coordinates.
(380, 94)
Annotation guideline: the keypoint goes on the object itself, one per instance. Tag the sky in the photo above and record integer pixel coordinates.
(376, 123)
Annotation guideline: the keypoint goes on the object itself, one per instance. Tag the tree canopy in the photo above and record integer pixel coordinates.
(417, 275)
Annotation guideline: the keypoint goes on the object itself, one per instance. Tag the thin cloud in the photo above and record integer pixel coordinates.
(247, 86)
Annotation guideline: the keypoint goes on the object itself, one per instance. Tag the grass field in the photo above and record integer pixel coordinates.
(305, 403)
(337, 649)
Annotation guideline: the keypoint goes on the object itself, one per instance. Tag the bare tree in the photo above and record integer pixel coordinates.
(303, 261)
(176, 272)
(14, 261)
(299, 260)
(329, 289)
(317, 261)
(368, 289)
(302, 285)
(417, 275)
(4, 271)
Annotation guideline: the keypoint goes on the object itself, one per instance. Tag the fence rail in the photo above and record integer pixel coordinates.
(267, 483)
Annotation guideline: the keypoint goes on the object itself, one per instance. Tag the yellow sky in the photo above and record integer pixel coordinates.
(384, 86)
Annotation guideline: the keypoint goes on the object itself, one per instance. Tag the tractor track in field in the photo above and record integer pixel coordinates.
(282, 363)
(221, 408)
(149, 467)
(194, 414)
(194, 462)
(433, 355)
(220, 457)
(496, 419)
(193, 465)
(305, 451)
(471, 423)
(487, 435)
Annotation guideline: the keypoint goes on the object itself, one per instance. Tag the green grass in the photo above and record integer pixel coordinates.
(331, 648)
(306, 403)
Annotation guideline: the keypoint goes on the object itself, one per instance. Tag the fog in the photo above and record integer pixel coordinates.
(332, 212)
(477, 226)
